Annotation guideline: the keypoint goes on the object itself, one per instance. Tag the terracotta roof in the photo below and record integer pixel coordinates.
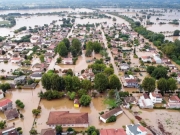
(110, 113)
(157, 95)
(48, 131)
(5, 102)
(11, 114)
(174, 98)
(64, 117)
(131, 80)
(142, 128)
(112, 132)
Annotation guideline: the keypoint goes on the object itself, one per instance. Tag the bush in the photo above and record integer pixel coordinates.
(85, 100)
(20, 104)
(19, 128)
(111, 119)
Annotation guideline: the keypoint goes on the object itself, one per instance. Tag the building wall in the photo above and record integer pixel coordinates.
(71, 125)
(1, 96)
(104, 120)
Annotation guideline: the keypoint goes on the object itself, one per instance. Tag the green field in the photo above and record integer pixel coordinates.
(4, 22)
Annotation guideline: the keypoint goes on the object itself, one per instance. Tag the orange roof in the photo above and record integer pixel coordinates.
(142, 128)
(112, 132)
(4, 102)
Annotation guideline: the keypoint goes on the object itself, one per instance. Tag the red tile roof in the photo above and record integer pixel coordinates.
(64, 117)
(158, 95)
(142, 128)
(112, 132)
(174, 98)
(5, 102)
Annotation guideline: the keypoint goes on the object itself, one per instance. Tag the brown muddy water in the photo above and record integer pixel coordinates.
(169, 118)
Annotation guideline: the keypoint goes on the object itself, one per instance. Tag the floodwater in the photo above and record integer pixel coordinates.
(169, 118)
(96, 106)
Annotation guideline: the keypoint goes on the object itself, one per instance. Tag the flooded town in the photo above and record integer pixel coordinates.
(90, 71)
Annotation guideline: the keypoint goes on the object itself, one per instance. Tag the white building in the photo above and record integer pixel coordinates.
(114, 112)
(67, 61)
(124, 66)
(157, 58)
(1, 94)
(146, 59)
(135, 129)
(145, 101)
(156, 97)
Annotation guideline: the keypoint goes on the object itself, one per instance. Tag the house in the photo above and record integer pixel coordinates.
(16, 60)
(156, 97)
(88, 74)
(68, 61)
(40, 67)
(11, 114)
(116, 111)
(157, 58)
(135, 129)
(174, 102)
(146, 59)
(36, 76)
(5, 104)
(128, 101)
(76, 103)
(112, 132)
(124, 66)
(67, 119)
(48, 131)
(1, 94)
(9, 131)
(130, 81)
(145, 101)
(20, 80)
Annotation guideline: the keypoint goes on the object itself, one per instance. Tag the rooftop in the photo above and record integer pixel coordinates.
(110, 113)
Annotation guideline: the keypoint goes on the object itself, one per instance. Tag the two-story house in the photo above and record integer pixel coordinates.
(174, 102)
(145, 102)
(130, 82)
(5, 104)
(156, 97)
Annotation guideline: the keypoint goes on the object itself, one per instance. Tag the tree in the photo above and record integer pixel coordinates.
(162, 85)
(2, 124)
(76, 46)
(97, 47)
(176, 33)
(71, 95)
(46, 81)
(101, 82)
(159, 72)
(92, 129)
(41, 57)
(69, 72)
(68, 83)
(66, 42)
(148, 84)
(33, 132)
(36, 112)
(5, 86)
(150, 69)
(59, 60)
(111, 93)
(109, 71)
(85, 100)
(76, 84)
(114, 82)
(111, 119)
(58, 129)
(62, 49)
(137, 23)
(57, 82)
(86, 84)
(94, 133)
(172, 83)
(81, 92)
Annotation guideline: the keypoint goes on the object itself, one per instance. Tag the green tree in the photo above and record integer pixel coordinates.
(81, 92)
(66, 42)
(71, 95)
(85, 100)
(46, 81)
(36, 112)
(111, 119)
(68, 83)
(2, 124)
(69, 72)
(76, 84)
(33, 132)
(150, 69)
(111, 93)
(62, 49)
(159, 72)
(176, 33)
(86, 84)
(94, 133)
(92, 129)
(148, 84)
(41, 57)
(76, 46)
(114, 82)
(57, 82)
(101, 82)
(59, 60)
(97, 47)
(172, 83)
(5, 87)
(109, 71)
(162, 85)
(58, 129)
